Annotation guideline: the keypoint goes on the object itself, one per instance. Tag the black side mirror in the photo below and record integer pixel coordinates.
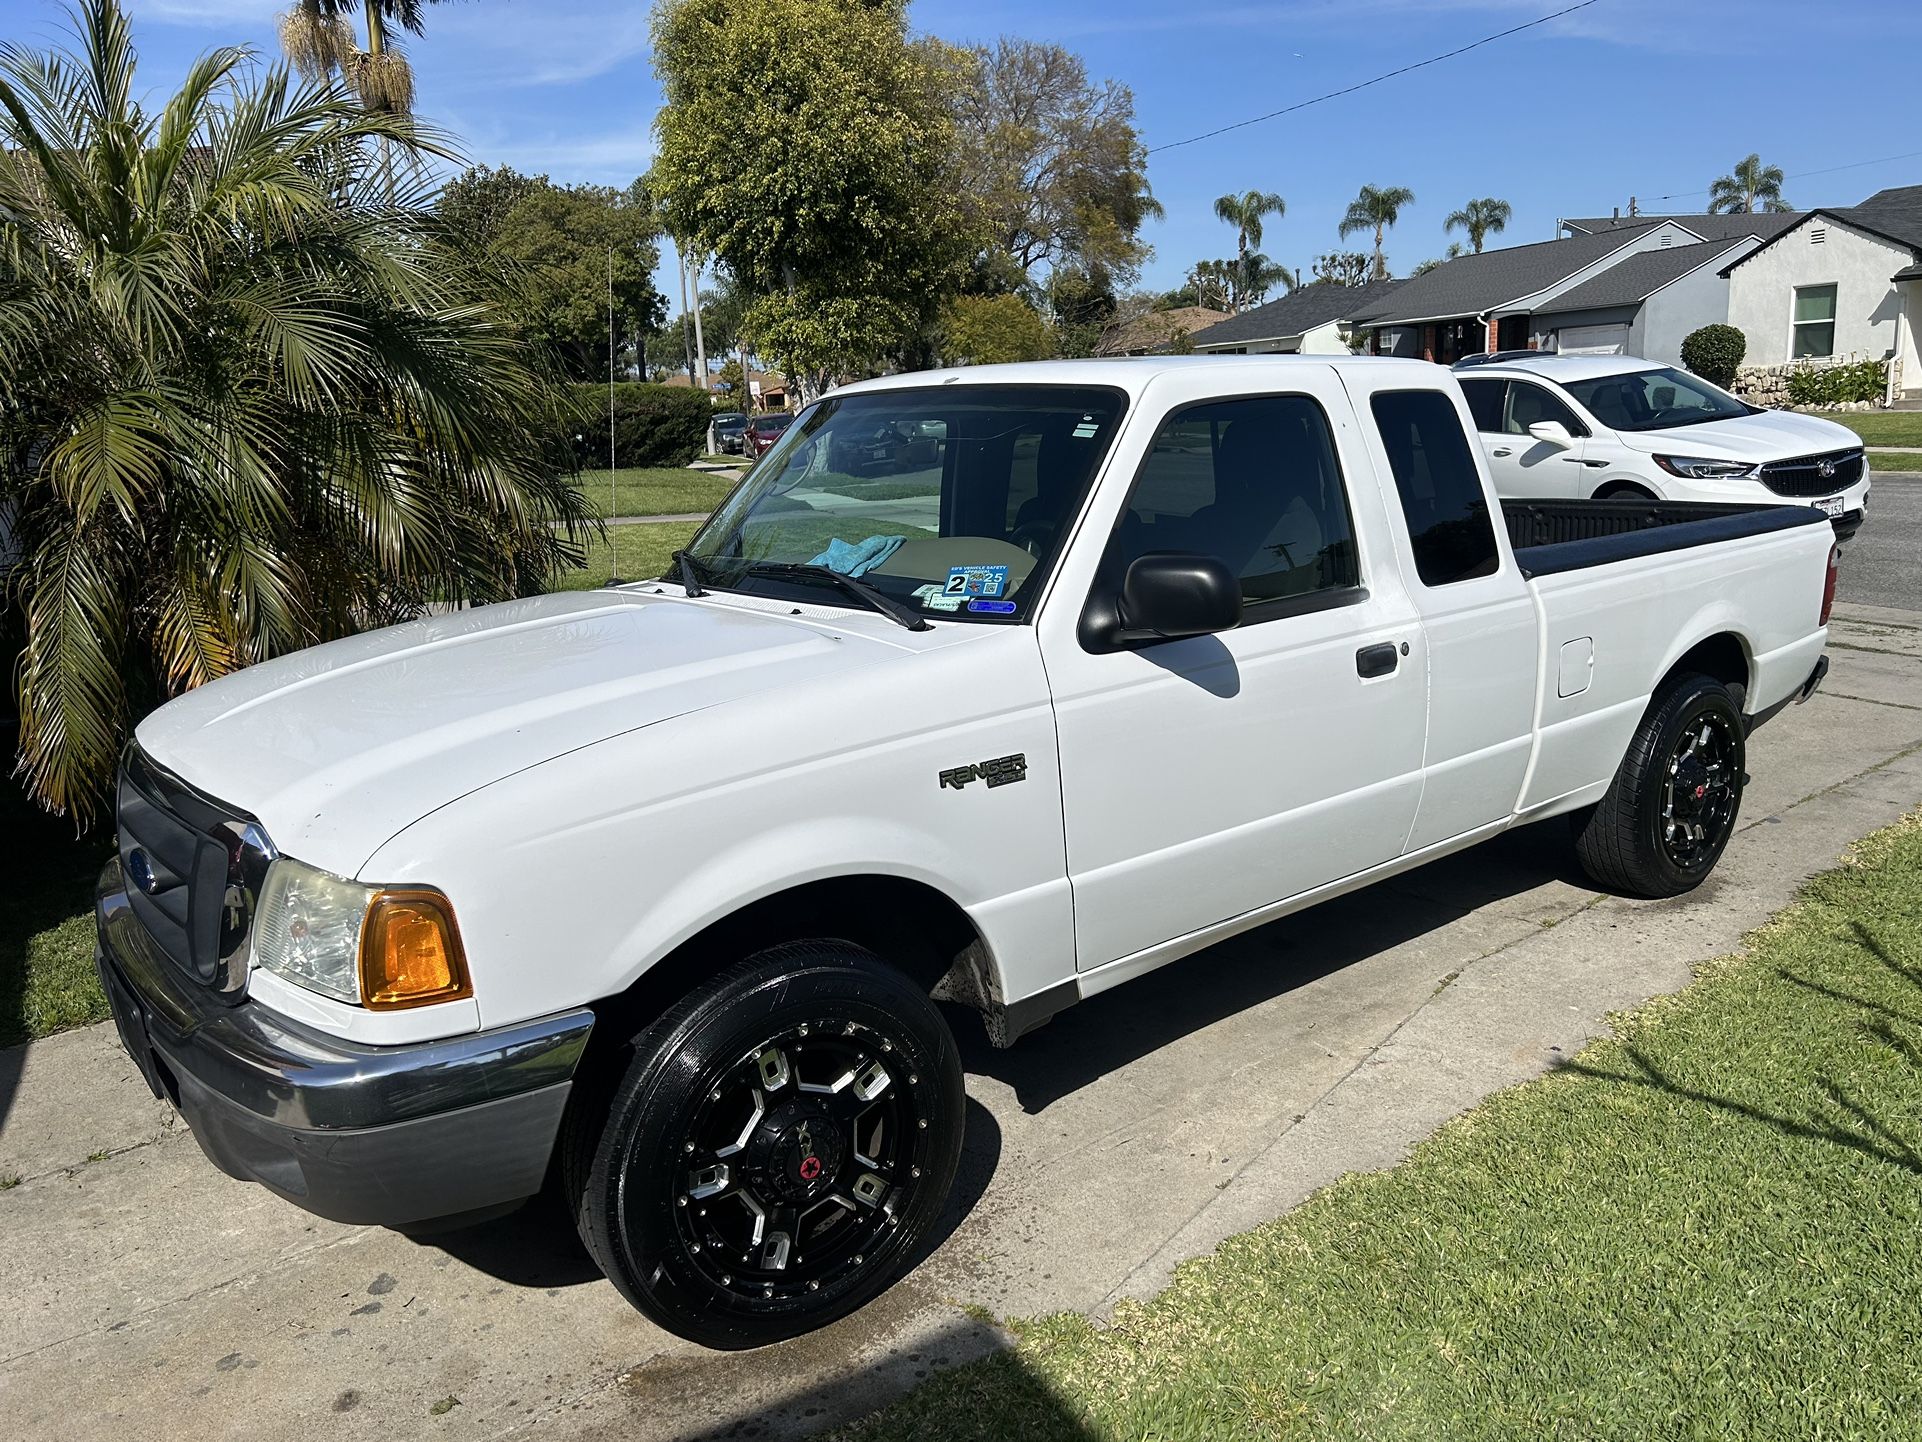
(1164, 596)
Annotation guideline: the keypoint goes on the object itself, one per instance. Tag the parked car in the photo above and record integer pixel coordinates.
(764, 430)
(1618, 427)
(730, 432)
(655, 887)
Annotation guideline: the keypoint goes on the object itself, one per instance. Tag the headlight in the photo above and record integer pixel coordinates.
(1703, 468)
(358, 944)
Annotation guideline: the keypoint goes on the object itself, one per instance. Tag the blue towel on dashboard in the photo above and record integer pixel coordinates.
(853, 560)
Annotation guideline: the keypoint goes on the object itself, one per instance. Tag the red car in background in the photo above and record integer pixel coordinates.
(764, 431)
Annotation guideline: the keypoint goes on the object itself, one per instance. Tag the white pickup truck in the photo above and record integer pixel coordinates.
(652, 890)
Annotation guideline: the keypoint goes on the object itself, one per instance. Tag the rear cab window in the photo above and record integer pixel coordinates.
(1440, 491)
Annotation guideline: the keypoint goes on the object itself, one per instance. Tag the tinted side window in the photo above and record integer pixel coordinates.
(1254, 482)
(1440, 493)
(1528, 404)
(1485, 403)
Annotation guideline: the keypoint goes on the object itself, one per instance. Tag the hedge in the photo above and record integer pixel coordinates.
(653, 425)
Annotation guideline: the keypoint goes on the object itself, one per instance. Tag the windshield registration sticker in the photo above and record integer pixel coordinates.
(976, 581)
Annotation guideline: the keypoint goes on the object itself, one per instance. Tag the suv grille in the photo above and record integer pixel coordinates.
(193, 868)
(1810, 476)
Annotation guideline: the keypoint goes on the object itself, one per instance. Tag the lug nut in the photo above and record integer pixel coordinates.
(814, 1286)
(914, 1079)
(922, 1124)
(804, 1028)
(727, 1279)
(914, 1171)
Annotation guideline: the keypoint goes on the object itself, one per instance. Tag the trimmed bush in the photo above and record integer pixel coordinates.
(1714, 352)
(653, 425)
(1836, 385)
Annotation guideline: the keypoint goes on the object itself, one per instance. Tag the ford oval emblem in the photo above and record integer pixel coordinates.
(140, 872)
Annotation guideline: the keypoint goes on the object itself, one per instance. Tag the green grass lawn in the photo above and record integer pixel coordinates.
(643, 552)
(1895, 461)
(1709, 1226)
(47, 980)
(654, 491)
(1881, 428)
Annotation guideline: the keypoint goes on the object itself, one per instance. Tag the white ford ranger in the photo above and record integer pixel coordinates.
(1091, 665)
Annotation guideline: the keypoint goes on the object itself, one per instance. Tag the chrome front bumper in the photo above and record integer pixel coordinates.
(385, 1135)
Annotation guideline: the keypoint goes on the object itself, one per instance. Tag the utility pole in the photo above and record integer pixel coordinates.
(700, 346)
(687, 344)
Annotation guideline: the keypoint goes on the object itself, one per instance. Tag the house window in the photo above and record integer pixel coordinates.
(1814, 331)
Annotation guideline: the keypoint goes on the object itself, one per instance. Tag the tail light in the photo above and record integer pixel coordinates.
(1828, 586)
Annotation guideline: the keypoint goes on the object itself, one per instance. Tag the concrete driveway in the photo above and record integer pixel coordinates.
(149, 1296)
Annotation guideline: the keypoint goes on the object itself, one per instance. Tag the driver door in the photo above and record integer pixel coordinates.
(1208, 777)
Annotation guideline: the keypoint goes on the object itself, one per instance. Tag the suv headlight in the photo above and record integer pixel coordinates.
(364, 945)
(1703, 468)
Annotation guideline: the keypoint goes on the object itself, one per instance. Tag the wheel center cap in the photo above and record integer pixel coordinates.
(807, 1155)
(1691, 787)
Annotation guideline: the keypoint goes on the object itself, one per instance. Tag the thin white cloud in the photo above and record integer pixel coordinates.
(205, 12)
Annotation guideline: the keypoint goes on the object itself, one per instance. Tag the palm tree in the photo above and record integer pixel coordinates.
(1754, 186)
(1376, 210)
(1244, 212)
(319, 41)
(246, 402)
(1255, 275)
(1481, 219)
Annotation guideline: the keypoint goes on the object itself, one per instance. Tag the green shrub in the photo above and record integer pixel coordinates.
(1831, 385)
(1714, 352)
(653, 425)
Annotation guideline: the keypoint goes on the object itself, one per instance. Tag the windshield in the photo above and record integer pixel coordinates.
(775, 421)
(1654, 400)
(952, 500)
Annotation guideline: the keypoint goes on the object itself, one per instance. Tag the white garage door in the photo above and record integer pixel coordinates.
(1592, 340)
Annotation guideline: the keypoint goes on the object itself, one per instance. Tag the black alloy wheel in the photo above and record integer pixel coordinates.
(1671, 809)
(779, 1148)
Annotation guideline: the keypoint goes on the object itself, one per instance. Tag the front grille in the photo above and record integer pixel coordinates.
(1806, 475)
(192, 867)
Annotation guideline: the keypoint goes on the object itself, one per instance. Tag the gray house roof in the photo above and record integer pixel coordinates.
(1765, 223)
(1894, 214)
(1296, 313)
(1634, 280)
(1472, 284)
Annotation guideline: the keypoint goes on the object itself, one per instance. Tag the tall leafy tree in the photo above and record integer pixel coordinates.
(1245, 213)
(1053, 163)
(1376, 209)
(247, 401)
(811, 147)
(560, 249)
(1481, 219)
(993, 329)
(1750, 187)
(1343, 267)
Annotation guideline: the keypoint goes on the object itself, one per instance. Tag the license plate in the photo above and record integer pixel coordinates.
(1831, 506)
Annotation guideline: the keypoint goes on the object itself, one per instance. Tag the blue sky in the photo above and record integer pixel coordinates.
(1650, 98)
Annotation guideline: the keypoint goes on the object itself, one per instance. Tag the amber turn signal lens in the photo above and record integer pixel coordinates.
(410, 952)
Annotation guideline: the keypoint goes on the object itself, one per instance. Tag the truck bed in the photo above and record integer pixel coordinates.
(1552, 535)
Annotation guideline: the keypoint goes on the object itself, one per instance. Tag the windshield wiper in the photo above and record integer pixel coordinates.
(869, 595)
(690, 580)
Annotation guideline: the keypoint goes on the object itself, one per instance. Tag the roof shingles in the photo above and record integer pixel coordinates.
(1296, 313)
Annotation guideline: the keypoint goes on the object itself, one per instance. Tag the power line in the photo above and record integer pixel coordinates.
(1377, 80)
(1802, 174)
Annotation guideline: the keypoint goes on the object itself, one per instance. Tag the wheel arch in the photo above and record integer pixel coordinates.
(909, 923)
(1723, 655)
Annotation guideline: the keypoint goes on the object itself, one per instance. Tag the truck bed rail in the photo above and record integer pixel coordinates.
(1551, 535)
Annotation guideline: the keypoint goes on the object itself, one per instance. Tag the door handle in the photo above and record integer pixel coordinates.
(1501, 451)
(1373, 661)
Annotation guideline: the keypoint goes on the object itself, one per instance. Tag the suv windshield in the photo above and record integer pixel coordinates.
(952, 500)
(1653, 400)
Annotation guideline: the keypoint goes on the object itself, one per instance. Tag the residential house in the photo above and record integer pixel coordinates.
(1488, 301)
(1840, 281)
(1158, 331)
(1644, 306)
(1313, 320)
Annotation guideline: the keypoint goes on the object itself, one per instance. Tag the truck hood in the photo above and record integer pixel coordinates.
(337, 748)
(1767, 436)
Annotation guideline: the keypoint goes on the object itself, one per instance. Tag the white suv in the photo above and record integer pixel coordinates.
(1620, 427)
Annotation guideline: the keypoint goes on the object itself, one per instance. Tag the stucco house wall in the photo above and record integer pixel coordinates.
(1761, 296)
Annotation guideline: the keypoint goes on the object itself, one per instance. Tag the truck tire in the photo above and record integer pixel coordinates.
(782, 1142)
(1671, 809)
